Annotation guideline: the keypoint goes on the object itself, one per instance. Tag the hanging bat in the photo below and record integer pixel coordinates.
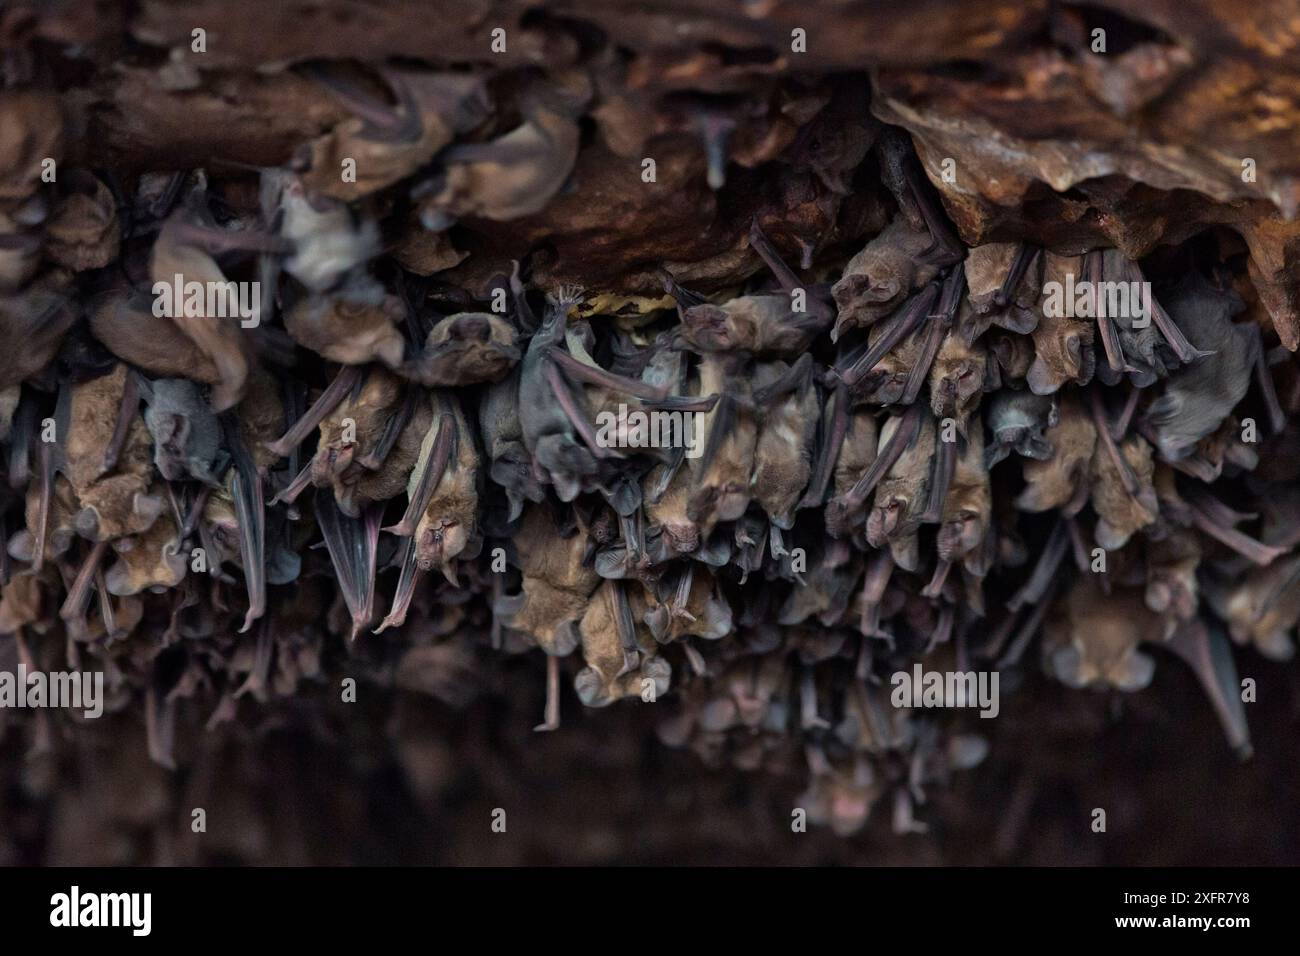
(124, 322)
(690, 606)
(556, 588)
(900, 171)
(1005, 282)
(901, 496)
(957, 378)
(549, 412)
(1019, 422)
(968, 504)
(184, 248)
(186, 434)
(1123, 494)
(369, 442)
(326, 239)
(150, 559)
(509, 464)
(103, 427)
(1171, 582)
(1198, 397)
(783, 454)
(612, 646)
(441, 518)
(1092, 639)
(1062, 345)
(387, 141)
(464, 349)
(880, 278)
(1063, 479)
(720, 488)
(1261, 606)
(517, 173)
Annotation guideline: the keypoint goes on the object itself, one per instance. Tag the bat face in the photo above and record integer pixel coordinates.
(83, 231)
(1172, 563)
(451, 518)
(900, 497)
(1019, 421)
(1093, 640)
(465, 349)
(1062, 345)
(350, 431)
(186, 436)
(881, 276)
(762, 324)
(153, 560)
(957, 378)
(1054, 481)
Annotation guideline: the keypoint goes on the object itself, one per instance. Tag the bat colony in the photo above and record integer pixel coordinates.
(905, 456)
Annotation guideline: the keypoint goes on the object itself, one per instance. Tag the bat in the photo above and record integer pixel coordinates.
(515, 174)
(1061, 480)
(118, 503)
(352, 325)
(880, 278)
(968, 504)
(612, 647)
(720, 488)
(1005, 277)
(184, 248)
(149, 559)
(441, 518)
(900, 171)
(1062, 345)
(1199, 396)
(186, 434)
(123, 321)
(369, 442)
(1122, 495)
(1093, 640)
(464, 349)
(1019, 422)
(857, 365)
(783, 454)
(900, 497)
(389, 141)
(549, 414)
(897, 434)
